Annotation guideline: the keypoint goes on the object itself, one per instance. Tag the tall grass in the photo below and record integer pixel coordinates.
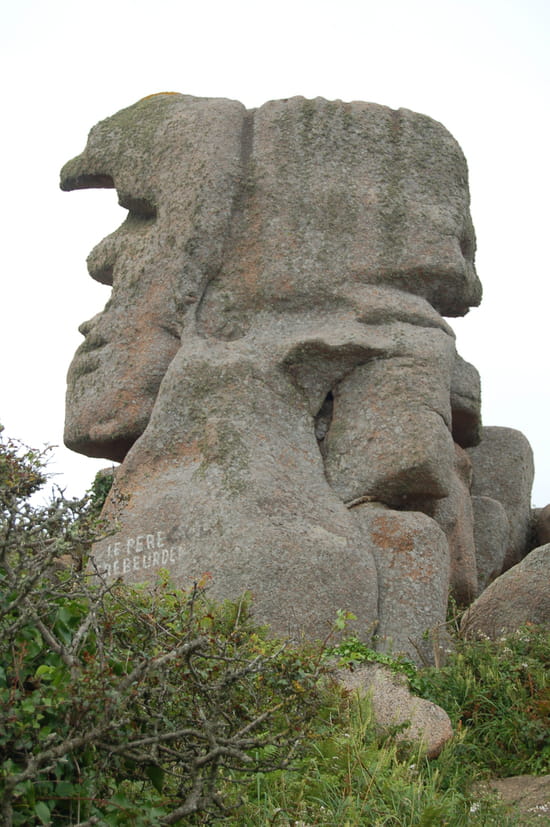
(348, 774)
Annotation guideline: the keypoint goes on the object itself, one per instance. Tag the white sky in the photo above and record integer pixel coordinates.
(481, 67)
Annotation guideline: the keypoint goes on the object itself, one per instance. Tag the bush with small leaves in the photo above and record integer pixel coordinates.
(127, 706)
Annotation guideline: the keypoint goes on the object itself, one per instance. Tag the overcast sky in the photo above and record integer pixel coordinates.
(481, 67)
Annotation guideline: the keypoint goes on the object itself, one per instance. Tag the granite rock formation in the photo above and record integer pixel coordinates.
(541, 519)
(273, 369)
(519, 596)
(503, 470)
(395, 707)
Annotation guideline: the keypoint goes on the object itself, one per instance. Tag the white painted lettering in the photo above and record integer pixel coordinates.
(142, 551)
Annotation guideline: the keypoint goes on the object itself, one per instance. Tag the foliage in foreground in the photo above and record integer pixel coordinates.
(497, 695)
(122, 706)
(351, 774)
(119, 705)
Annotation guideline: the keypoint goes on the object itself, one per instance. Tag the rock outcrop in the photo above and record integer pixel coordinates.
(519, 596)
(491, 535)
(394, 707)
(273, 368)
(503, 470)
(542, 526)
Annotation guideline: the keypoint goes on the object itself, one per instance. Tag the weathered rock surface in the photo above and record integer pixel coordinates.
(174, 161)
(339, 196)
(542, 526)
(503, 470)
(521, 595)
(466, 403)
(529, 795)
(412, 560)
(273, 368)
(239, 492)
(491, 534)
(454, 515)
(394, 705)
(402, 393)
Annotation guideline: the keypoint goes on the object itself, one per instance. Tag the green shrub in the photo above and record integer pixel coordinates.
(120, 705)
(129, 706)
(498, 695)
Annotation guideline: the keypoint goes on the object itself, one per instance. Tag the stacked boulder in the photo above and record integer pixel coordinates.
(274, 372)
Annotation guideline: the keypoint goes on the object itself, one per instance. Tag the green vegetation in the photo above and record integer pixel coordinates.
(497, 695)
(126, 706)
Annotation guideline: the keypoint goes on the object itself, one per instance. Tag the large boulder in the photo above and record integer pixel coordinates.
(541, 528)
(175, 163)
(491, 534)
(412, 560)
(395, 707)
(521, 595)
(390, 433)
(466, 403)
(274, 356)
(239, 492)
(454, 515)
(503, 470)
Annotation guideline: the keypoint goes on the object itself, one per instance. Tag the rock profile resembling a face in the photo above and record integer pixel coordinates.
(273, 368)
(178, 190)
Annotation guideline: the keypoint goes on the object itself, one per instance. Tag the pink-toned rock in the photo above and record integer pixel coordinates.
(274, 351)
(455, 516)
(394, 705)
(405, 394)
(412, 560)
(491, 535)
(503, 470)
(162, 155)
(542, 526)
(466, 403)
(521, 595)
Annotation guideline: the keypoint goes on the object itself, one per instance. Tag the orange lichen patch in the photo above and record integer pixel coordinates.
(389, 535)
(157, 94)
(189, 451)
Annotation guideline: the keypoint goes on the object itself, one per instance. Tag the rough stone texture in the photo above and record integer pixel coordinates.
(412, 561)
(273, 357)
(393, 704)
(239, 492)
(174, 161)
(491, 533)
(466, 403)
(542, 526)
(339, 196)
(520, 595)
(528, 795)
(455, 516)
(503, 470)
(403, 393)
